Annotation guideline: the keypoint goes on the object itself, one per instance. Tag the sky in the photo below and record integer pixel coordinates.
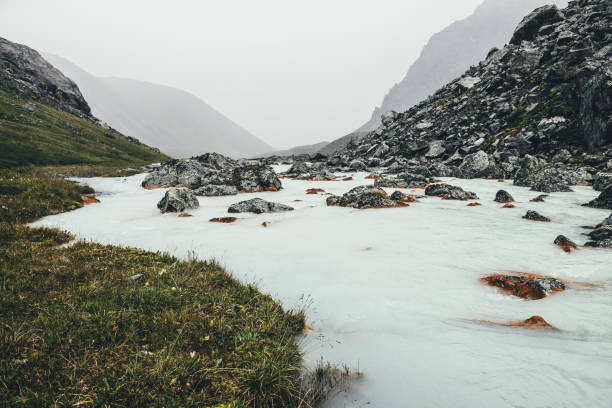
(291, 72)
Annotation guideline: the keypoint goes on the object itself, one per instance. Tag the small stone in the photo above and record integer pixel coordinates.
(565, 243)
(535, 216)
(502, 196)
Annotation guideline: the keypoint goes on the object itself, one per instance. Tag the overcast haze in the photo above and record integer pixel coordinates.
(290, 72)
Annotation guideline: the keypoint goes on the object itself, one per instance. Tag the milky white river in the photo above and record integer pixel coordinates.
(396, 292)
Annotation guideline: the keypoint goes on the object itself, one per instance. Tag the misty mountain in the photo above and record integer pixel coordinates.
(297, 150)
(451, 51)
(175, 121)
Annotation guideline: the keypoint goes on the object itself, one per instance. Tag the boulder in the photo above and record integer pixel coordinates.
(530, 287)
(365, 197)
(565, 243)
(603, 201)
(213, 190)
(436, 149)
(502, 196)
(449, 192)
(534, 323)
(537, 174)
(398, 196)
(607, 221)
(535, 216)
(601, 233)
(357, 165)
(178, 200)
(530, 25)
(253, 178)
(474, 165)
(298, 168)
(258, 206)
(602, 180)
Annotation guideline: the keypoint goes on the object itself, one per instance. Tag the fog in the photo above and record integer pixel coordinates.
(290, 72)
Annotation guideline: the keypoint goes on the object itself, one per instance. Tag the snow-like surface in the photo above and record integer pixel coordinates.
(396, 291)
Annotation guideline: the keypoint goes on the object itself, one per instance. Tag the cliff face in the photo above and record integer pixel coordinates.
(449, 52)
(25, 72)
(547, 93)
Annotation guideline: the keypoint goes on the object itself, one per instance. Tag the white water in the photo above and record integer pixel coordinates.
(406, 310)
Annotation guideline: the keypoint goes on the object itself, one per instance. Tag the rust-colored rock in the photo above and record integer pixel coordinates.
(347, 179)
(509, 206)
(501, 181)
(565, 243)
(224, 220)
(184, 215)
(89, 200)
(534, 323)
(474, 204)
(526, 286)
(265, 224)
(314, 191)
(372, 177)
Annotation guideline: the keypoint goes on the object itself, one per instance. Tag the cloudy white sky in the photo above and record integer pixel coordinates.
(291, 72)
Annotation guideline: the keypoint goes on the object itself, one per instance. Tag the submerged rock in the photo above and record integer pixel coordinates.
(223, 220)
(534, 323)
(603, 201)
(535, 216)
(502, 196)
(601, 237)
(258, 206)
(565, 243)
(539, 199)
(448, 192)
(530, 287)
(178, 200)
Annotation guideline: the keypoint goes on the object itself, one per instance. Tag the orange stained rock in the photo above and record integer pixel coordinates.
(474, 204)
(224, 220)
(347, 179)
(314, 190)
(89, 200)
(184, 215)
(509, 206)
(525, 287)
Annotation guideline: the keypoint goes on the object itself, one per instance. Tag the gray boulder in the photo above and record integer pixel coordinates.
(258, 206)
(602, 180)
(474, 165)
(530, 25)
(449, 192)
(213, 190)
(364, 197)
(603, 201)
(535, 216)
(178, 200)
(502, 196)
(537, 174)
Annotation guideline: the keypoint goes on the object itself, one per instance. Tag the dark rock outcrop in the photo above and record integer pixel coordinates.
(449, 192)
(602, 180)
(258, 206)
(365, 197)
(178, 200)
(213, 190)
(537, 174)
(535, 216)
(529, 27)
(601, 237)
(25, 72)
(607, 221)
(603, 201)
(502, 196)
(212, 172)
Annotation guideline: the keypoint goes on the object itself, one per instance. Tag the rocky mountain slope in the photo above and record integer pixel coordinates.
(297, 151)
(170, 119)
(449, 52)
(542, 104)
(45, 120)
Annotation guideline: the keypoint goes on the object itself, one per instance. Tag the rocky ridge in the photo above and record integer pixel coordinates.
(539, 110)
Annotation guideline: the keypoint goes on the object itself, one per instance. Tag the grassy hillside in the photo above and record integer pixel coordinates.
(32, 133)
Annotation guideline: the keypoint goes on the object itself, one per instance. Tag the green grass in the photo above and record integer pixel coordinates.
(47, 136)
(75, 331)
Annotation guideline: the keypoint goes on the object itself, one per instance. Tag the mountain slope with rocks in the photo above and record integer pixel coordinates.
(538, 110)
(449, 52)
(170, 119)
(44, 119)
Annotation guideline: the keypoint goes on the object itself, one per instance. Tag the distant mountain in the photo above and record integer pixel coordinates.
(170, 119)
(451, 51)
(297, 151)
(44, 119)
(340, 143)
